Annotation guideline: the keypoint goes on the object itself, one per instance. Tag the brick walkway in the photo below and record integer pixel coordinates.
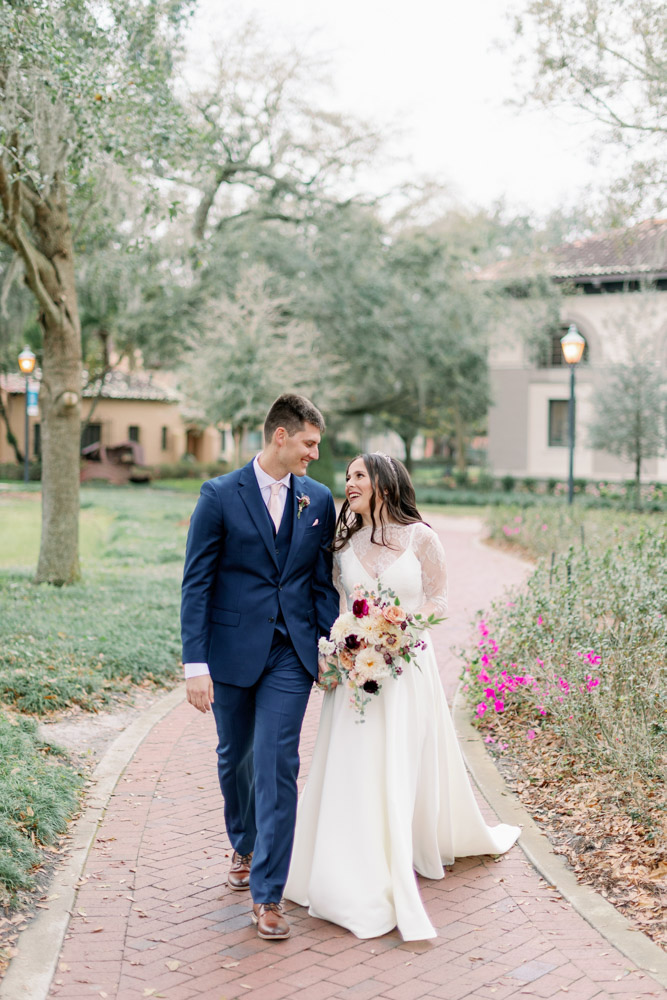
(154, 917)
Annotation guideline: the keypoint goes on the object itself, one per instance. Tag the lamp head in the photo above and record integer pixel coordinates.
(27, 361)
(572, 345)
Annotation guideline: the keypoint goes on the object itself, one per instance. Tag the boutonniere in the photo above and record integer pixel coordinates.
(302, 502)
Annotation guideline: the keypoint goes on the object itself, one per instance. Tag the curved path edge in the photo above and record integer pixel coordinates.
(595, 909)
(31, 970)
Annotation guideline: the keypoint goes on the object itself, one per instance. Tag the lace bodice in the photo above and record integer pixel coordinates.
(412, 564)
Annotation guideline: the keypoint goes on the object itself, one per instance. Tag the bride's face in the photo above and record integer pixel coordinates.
(358, 489)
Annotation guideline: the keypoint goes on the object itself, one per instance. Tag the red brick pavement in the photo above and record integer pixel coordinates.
(154, 917)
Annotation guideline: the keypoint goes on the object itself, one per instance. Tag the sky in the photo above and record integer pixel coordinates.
(434, 73)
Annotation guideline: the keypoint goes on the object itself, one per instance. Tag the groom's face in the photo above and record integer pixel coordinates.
(297, 451)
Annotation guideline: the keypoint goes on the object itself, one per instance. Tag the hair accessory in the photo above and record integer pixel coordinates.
(387, 458)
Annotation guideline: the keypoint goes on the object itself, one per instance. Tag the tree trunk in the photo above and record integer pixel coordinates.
(238, 435)
(10, 436)
(461, 440)
(59, 397)
(408, 440)
(638, 477)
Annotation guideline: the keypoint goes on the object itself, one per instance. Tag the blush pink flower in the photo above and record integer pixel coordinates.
(392, 613)
(531, 734)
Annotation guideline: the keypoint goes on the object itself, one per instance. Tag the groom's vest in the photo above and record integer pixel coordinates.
(283, 537)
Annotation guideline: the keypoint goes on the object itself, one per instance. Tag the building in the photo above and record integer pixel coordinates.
(615, 292)
(126, 406)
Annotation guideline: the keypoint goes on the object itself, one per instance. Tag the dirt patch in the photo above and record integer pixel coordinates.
(86, 736)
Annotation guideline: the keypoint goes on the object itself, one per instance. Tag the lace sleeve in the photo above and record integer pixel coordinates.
(338, 583)
(431, 555)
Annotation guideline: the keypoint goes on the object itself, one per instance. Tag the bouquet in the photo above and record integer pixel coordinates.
(370, 643)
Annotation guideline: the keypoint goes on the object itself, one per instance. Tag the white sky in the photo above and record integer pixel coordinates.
(432, 69)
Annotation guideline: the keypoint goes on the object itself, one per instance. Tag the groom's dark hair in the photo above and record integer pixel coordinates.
(292, 412)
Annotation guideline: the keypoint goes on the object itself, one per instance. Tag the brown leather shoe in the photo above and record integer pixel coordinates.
(238, 876)
(271, 924)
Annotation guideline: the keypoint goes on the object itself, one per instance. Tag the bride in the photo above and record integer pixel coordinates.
(391, 795)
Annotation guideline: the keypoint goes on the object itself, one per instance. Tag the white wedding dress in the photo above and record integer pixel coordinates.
(391, 795)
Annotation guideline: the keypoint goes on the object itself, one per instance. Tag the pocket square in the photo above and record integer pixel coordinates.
(316, 521)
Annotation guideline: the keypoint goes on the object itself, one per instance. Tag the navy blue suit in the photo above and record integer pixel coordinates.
(254, 604)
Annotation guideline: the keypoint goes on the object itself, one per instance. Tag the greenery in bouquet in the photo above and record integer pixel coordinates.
(371, 643)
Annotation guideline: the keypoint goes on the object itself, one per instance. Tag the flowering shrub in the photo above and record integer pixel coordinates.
(581, 654)
(568, 684)
(541, 530)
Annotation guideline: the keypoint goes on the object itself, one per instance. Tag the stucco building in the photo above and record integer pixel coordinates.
(615, 292)
(128, 406)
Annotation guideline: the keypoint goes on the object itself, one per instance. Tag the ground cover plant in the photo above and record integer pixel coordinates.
(64, 650)
(39, 795)
(118, 626)
(568, 685)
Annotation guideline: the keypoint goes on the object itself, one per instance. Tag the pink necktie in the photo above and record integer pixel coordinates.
(274, 504)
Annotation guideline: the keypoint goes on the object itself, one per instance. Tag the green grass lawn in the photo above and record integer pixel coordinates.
(117, 626)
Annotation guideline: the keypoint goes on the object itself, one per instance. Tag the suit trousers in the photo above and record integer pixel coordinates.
(258, 764)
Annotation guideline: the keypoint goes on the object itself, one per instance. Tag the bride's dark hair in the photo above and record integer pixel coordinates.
(391, 480)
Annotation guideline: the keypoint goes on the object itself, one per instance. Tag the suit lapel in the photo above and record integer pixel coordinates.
(298, 523)
(251, 495)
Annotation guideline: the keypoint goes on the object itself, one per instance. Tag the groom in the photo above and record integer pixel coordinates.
(257, 595)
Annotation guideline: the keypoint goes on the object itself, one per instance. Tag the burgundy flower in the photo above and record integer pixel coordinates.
(352, 642)
(360, 608)
(371, 687)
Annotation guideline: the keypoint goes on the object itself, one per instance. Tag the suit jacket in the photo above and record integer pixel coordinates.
(233, 587)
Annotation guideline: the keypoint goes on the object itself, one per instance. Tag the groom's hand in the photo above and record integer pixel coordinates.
(200, 692)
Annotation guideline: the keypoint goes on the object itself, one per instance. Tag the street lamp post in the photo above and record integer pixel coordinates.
(572, 345)
(26, 364)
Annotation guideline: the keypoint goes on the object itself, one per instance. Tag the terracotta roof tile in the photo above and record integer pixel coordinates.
(639, 251)
(117, 385)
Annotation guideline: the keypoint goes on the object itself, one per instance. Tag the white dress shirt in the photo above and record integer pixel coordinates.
(265, 482)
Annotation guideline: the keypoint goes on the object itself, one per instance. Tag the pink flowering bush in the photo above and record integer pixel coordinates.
(543, 529)
(579, 656)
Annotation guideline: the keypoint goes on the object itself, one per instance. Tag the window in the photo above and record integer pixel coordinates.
(133, 433)
(551, 353)
(164, 439)
(558, 423)
(92, 434)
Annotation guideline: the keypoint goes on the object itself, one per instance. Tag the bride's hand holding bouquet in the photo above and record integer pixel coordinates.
(370, 643)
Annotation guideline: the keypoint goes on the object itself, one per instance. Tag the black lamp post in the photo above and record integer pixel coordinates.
(26, 364)
(572, 345)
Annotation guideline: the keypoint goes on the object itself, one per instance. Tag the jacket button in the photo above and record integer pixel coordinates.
(271, 620)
